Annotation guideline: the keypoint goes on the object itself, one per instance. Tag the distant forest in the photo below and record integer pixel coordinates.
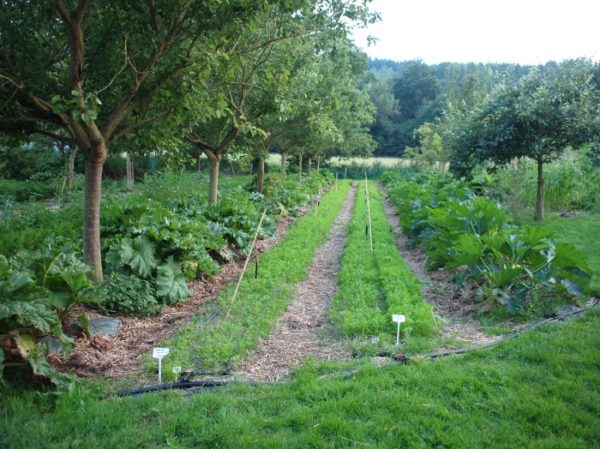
(410, 93)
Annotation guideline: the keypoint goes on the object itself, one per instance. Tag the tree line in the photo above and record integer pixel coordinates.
(170, 76)
(462, 116)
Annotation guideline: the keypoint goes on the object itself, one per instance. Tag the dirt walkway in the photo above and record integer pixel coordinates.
(453, 304)
(297, 334)
(123, 355)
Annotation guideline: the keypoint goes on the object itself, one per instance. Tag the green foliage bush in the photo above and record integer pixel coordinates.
(129, 295)
(39, 290)
(27, 190)
(476, 233)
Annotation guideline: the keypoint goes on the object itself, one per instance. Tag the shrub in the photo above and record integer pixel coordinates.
(130, 295)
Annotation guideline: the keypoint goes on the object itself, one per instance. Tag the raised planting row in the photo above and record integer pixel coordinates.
(216, 340)
(153, 242)
(372, 287)
(459, 229)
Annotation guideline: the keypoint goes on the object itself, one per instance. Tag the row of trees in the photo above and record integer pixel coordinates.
(234, 75)
(538, 116)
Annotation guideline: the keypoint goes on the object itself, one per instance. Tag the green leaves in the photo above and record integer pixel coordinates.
(139, 255)
(475, 233)
(170, 282)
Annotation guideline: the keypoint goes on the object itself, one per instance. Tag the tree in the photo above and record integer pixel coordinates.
(96, 71)
(537, 117)
(431, 150)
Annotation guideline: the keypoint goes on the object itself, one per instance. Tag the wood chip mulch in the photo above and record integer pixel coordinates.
(454, 304)
(298, 334)
(123, 355)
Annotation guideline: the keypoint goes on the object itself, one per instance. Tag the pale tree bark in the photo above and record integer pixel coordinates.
(260, 175)
(214, 158)
(309, 164)
(539, 198)
(130, 172)
(300, 166)
(318, 163)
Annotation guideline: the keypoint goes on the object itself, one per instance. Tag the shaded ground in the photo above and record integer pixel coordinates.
(297, 335)
(453, 304)
(123, 355)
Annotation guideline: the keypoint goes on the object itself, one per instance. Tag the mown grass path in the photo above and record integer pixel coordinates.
(298, 332)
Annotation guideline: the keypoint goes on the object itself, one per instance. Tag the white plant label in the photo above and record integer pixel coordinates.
(398, 318)
(160, 353)
(176, 369)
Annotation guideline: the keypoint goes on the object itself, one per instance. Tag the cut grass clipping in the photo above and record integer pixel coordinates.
(373, 287)
(212, 344)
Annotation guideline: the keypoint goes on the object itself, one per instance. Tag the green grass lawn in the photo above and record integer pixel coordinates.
(537, 391)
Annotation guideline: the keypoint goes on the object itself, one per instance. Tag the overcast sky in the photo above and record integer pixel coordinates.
(515, 31)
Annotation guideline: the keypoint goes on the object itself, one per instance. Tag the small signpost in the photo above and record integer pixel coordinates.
(396, 318)
(160, 353)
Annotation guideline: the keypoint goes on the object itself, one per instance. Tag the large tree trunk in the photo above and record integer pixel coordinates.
(130, 173)
(309, 164)
(539, 199)
(213, 189)
(260, 175)
(91, 211)
(283, 160)
(300, 166)
(71, 167)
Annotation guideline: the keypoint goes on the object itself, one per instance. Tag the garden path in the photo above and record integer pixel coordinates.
(298, 334)
(450, 302)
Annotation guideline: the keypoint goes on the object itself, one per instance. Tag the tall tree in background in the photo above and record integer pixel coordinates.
(538, 117)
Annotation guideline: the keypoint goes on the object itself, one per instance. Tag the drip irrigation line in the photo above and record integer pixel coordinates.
(200, 385)
(185, 385)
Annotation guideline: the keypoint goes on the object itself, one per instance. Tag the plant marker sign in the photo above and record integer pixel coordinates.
(396, 318)
(160, 353)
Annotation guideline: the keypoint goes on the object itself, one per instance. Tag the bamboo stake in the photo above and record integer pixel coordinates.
(237, 287)
(369, 212)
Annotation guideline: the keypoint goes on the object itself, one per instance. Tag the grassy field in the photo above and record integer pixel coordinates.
(386, 162)
(538, 391)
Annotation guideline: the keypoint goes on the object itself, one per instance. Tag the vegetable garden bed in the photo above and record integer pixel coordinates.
(374, 286)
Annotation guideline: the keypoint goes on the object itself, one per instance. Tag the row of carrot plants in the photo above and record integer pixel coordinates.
(373, 286)
(226, 333)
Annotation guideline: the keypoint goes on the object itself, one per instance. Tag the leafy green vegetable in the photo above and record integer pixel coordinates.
(170, 282)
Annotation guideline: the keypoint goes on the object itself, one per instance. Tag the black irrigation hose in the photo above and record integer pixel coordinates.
(202, 384)
(184, 385)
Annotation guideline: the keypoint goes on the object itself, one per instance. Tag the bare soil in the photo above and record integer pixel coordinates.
(298, 334)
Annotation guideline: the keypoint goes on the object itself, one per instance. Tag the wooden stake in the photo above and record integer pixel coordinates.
(237, 287)
(369, 212)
